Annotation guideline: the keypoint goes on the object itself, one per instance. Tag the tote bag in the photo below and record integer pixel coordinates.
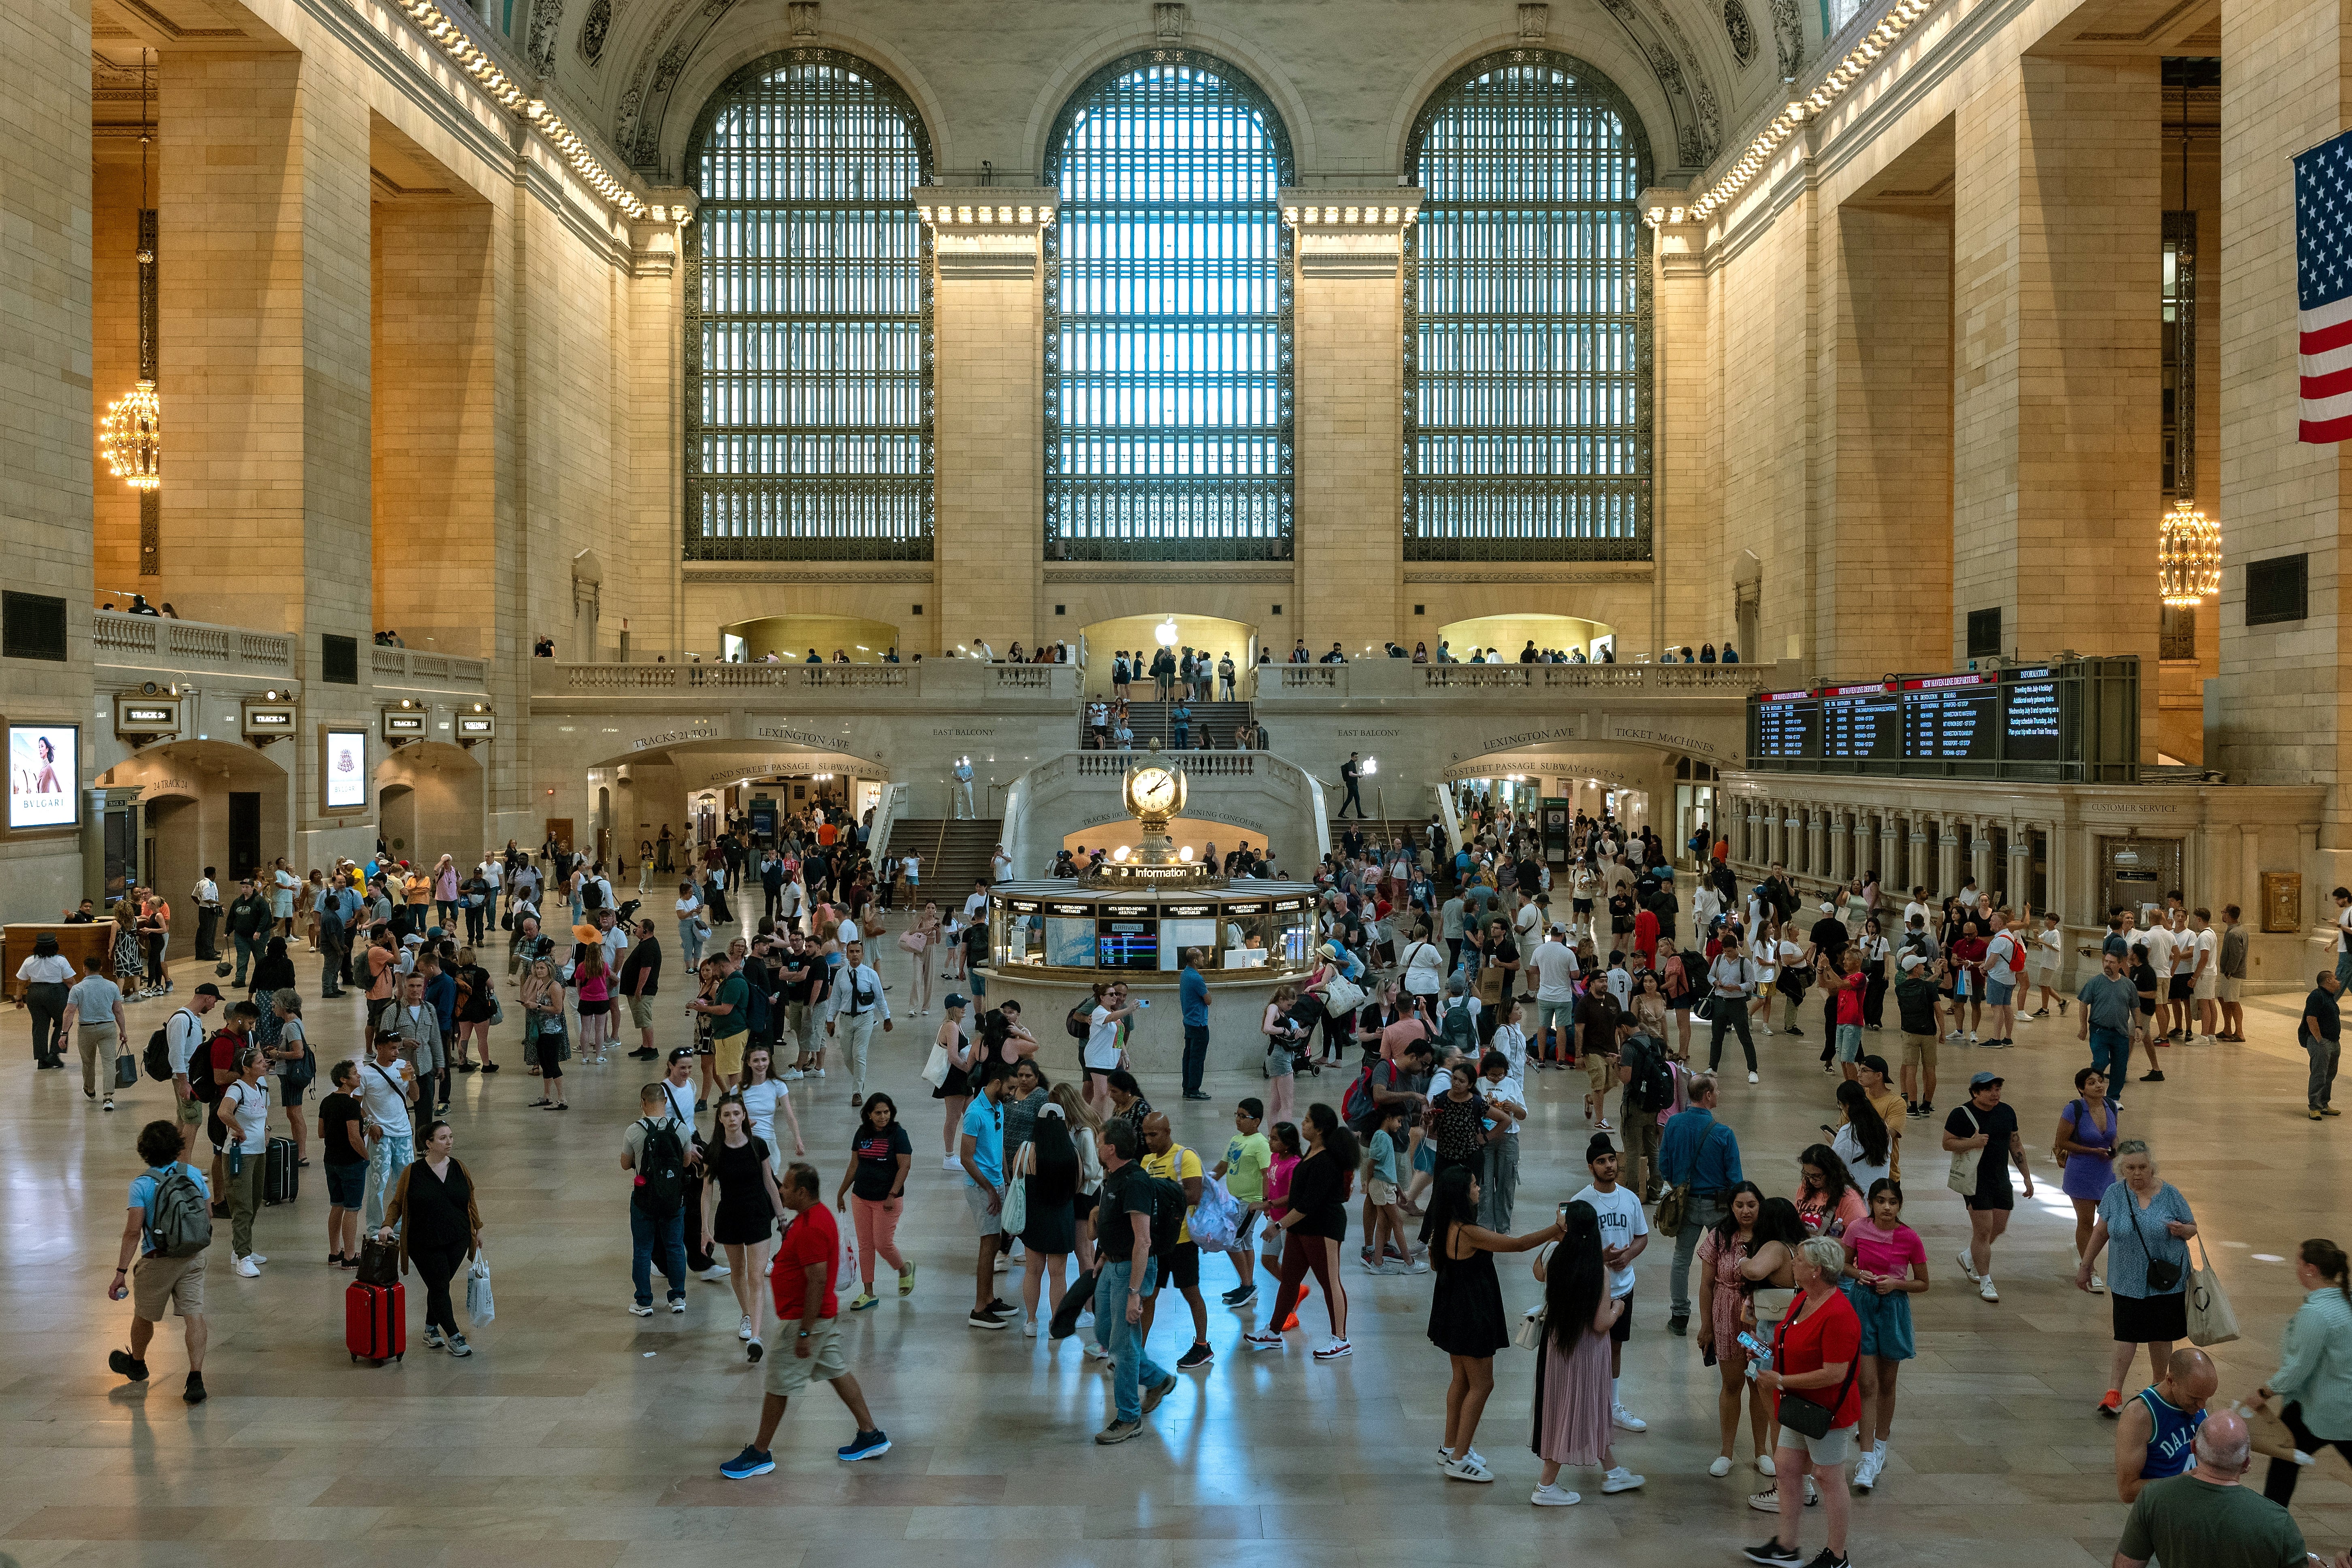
(1963, 1179)
(1013, 1218)
(2210, 1319)
(480, 1307)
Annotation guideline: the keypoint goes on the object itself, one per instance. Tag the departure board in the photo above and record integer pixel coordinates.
(2077, 721)
(1951, 718)
(2032, 717)
(1786, 724)
(1862, 723)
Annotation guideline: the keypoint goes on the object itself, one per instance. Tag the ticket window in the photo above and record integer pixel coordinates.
(1017, 932)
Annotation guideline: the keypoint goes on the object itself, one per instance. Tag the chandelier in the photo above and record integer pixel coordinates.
(131, 433)
(130, 436)
(2188, 555)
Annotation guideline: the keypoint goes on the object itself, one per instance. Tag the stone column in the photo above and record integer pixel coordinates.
(988, 389)
(1694, 593)
(1891, 880)
(2057, 251)
(265, 359)
(657, 370)
(2019, 883)
(2281, 704)
(1980, 857)
(1841, 845)
(1816, 841)
(1948, 857)
(1349, 329)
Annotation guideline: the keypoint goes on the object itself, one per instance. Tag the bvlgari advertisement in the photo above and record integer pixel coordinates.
(346, 774)
(44, 765)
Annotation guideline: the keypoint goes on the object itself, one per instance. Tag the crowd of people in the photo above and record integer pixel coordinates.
(1431, 1004)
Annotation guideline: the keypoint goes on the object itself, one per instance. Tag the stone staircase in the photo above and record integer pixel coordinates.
(955, 853)
(1150, 722)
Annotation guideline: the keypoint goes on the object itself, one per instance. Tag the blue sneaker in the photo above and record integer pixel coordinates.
(868, 1446)
(749, 1463)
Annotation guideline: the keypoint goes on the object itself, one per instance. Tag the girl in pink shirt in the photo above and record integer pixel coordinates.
(1887, 1265)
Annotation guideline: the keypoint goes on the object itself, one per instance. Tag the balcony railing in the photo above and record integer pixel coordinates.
(945, 678)
(1397, 679)
(416, 666)
(157, 640)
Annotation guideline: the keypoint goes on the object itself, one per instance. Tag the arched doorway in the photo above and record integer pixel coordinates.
(791, 637)
(429, 802)
(1504, 635)
(201, 803)
(1174, 630)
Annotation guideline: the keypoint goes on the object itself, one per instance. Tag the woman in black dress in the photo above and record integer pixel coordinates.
(1048, 1169)
(1465, 1311)
(956, 1087)
(741, 1188)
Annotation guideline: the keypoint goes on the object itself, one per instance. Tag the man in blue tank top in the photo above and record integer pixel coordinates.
(2156, 1431)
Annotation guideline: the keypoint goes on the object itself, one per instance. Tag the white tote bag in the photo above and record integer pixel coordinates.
(479, 1308)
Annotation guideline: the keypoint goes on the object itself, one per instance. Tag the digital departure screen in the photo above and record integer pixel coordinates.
(1786, 724)
(1862, 723)
(2032, 717)
(1950, 717)
(1128, 944)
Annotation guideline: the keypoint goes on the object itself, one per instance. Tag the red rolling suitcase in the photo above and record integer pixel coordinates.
(376, 1321)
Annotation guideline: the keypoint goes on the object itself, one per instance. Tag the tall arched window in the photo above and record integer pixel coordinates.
(808, 332)
(1527, 318)
(1168, 430)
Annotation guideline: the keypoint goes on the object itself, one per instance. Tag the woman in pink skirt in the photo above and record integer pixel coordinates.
(1571, 1416)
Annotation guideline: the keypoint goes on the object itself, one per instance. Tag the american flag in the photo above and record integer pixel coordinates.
(2323, 254)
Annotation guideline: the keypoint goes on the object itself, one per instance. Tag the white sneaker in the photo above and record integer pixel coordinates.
(1625, 1420)
(1096, 1352)
(1866, 1474)
(716, 1271)
(1721, 1467)
(246, 1268)
(1972, 1037)
(1766, 1027)
(256, 1258)
(1334, 1350)
(743, 1330)
(1765, 1467)
(1953, 1036)
(950, 1162)
(1620, 1479)
(1967, 1265)
(1445, 1455)
(1553, 1497)
(1985, 1289)
(1468, 1468)
(1028, 1328)
(791, 1075)
(2098, 1285)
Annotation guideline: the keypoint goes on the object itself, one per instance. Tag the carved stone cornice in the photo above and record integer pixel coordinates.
(986, 231)
(1351, 232)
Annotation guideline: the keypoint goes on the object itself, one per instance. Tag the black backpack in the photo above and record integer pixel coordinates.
(1651, 1084)
(1079, 1023)
(661, 1171)
(1167, 1201)
(157, 1057)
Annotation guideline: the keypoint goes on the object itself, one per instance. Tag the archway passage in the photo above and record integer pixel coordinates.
(791, 638)
(1504, 635)
(201, 803)
(1214, 635)
(429, 802)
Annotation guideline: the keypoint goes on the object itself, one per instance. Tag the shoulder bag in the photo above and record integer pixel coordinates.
(2211, 1321)
(2163, 1276)
(1963, 1179)
(1013, 1216)
(1799, 1414)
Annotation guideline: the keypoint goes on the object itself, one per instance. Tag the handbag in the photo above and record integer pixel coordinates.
(934, 1070)
(2162, 1275)
(912, 942)
(1772, 1304)
(480, 1307)
(1530, 1332)
(1341, 994)
(1013, 1215)
(379, 1262)
(1963, 1179)
(2211, 1321)
(126, 1070)
(1803, 1414)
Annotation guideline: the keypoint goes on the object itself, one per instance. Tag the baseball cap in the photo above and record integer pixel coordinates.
(1911, 961)
(209, 989)
(957, 999)
(1982, 1080)
(411, 940)
(1877, 1064)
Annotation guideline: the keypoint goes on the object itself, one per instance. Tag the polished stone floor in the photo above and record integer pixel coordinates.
(583, 1437)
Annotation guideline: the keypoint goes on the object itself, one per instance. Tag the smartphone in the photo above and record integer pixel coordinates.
(1143, 1002)
(1755, 1347)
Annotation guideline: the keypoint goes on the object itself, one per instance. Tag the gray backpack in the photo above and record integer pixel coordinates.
(179, 1221)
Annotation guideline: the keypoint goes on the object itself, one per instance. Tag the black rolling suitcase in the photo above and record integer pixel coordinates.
(280, 1176)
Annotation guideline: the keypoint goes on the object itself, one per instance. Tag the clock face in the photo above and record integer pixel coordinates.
(1155, 791)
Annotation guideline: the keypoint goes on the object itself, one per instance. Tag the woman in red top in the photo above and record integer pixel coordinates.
(1813, 1360)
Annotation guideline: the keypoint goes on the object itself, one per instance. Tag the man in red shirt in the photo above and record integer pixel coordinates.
(807, 1263)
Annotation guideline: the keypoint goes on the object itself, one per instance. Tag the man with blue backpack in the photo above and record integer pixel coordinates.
(168, 1225)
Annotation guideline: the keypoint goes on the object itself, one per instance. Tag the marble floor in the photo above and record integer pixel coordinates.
(582, 1437)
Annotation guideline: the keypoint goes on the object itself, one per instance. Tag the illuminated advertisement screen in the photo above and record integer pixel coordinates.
(43, 768)
(345, 771)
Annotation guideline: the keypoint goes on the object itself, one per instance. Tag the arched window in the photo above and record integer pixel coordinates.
(1527, 318)
(808, 332)
(1168, 431)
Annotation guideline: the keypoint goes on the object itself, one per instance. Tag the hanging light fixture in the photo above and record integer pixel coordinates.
(131, 431)
(2188, 555)
(2188, 543)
